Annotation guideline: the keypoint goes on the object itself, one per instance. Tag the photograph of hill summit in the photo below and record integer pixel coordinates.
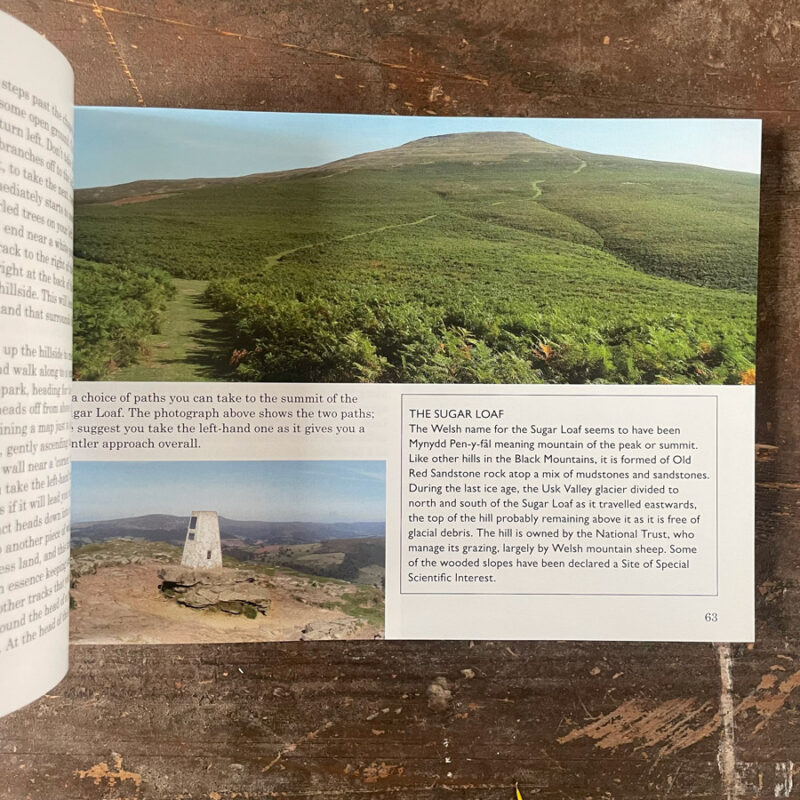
(169, 552)
(279, 247)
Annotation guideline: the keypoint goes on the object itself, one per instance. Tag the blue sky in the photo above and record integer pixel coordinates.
(270, 491)
(116, 145)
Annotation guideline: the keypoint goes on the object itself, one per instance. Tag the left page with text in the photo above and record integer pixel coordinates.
(36, 108)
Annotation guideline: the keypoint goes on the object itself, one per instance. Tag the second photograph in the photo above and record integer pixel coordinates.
(227, 551)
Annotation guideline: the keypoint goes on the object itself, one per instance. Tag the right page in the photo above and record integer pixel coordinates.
(354, 377)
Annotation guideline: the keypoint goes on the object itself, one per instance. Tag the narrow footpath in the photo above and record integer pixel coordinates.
(188, 346)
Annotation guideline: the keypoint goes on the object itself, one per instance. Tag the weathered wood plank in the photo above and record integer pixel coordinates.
(494, 57)
(362, 717)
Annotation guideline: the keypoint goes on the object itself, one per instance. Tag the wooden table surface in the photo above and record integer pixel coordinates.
(564, 720)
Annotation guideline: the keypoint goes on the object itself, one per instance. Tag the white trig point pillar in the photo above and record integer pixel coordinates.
(202, 549)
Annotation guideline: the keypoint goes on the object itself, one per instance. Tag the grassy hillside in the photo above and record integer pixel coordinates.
(461, 258)
(116, 307)
(359, 560)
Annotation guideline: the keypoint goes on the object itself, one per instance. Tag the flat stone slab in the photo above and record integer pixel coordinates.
(228, 590)
(325, 630)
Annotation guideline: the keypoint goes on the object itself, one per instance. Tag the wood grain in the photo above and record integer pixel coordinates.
(564, 720)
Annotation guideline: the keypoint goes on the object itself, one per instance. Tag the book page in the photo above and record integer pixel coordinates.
(36, 111)
(413, 378)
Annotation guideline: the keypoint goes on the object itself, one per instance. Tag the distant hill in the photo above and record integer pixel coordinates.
(167, 528)
(695, 224)
(490, 147)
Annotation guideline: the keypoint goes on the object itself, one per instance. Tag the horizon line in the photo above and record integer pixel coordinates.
(404, 144)
(231, 519)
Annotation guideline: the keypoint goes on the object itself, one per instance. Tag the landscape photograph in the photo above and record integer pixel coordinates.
(232, 246)
(182, 552)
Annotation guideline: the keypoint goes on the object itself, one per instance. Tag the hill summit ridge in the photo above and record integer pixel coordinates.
(489, 138)
(471, 146)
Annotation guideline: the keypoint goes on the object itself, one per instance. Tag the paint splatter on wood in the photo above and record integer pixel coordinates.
(102, 773)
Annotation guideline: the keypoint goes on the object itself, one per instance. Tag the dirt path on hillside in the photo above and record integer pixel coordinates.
(581, 165)
(188, 346)
(274, 259)
(537, 185)
(123, 605)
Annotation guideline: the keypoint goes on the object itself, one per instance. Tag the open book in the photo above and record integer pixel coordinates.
(360, 377)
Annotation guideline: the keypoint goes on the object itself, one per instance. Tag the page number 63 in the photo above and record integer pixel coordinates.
(711, 616)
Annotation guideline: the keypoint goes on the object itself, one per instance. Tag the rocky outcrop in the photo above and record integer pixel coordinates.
(327, 629)
(87, 558)
(230, 590)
